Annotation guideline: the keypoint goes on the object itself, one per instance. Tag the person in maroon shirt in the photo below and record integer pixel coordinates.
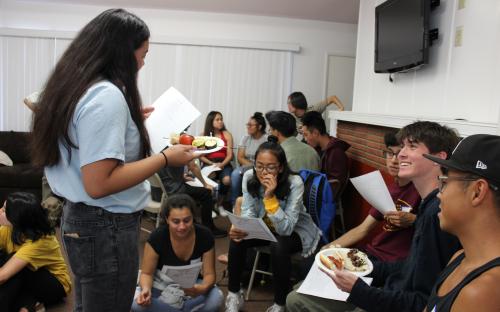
(393, 243)
(334, 161)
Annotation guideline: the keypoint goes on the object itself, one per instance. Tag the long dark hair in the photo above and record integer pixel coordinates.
(102, 50)
(209, 123)
(29, 220)
(283, 188)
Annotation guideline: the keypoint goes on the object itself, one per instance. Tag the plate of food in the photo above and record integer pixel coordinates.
(203, 144)
(348, 259)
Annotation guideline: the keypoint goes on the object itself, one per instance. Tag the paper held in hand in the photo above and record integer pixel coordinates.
(185, 275)
(254, 227)
(172, 114)
(319, 284)
(373, 189)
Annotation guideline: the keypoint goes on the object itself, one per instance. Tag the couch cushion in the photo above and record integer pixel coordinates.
(15, 144)
(5, 159)
(21, 175)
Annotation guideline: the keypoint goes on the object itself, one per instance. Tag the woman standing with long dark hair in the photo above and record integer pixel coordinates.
(89, 134)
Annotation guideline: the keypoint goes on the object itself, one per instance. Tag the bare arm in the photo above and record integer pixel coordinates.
(356, 234)
(109, 176)
(483, 290)
(11, 268)
(208, 282)
(333, 99)
(242, 160)
(195, 169)
(149, 263)
(229, 155)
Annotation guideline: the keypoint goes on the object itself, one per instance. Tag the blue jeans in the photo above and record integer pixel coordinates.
(211, 302)
(103, 255)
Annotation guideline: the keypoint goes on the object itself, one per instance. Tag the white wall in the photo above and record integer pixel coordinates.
(315, 38)
(459, 82)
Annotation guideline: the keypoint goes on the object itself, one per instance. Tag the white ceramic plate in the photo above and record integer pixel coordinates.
(330, 251)
(220, 145)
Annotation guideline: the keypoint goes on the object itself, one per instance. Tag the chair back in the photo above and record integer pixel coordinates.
(154, 206)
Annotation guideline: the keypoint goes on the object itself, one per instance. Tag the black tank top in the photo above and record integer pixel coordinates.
(444, 303)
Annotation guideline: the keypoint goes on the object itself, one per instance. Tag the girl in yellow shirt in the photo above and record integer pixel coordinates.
(32, 266)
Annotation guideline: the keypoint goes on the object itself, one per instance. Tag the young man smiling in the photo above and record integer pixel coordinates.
(470, 209)
(406, 285)
(393, 243)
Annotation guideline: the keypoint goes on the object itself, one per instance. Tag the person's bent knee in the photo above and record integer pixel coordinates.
(292, 301)
(214, 300)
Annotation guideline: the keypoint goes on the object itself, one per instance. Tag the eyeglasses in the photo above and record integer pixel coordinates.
(444, 179)
(390, 154)
(251, 125)
(269, 168)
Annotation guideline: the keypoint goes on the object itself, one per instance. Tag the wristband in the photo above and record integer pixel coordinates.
(166, 159)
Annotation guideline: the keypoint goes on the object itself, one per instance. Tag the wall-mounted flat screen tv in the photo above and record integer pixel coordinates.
(401, 35)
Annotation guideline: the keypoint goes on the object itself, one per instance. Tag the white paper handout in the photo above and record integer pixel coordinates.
(373, 189)
(255, 227)
(207, 170)
(172, 114)
(197, 183)
(319, 284)
(185, 275)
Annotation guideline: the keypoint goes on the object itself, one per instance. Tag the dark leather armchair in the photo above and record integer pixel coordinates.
(22, 176)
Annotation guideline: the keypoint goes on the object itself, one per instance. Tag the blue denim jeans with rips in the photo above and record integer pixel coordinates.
(103, 255)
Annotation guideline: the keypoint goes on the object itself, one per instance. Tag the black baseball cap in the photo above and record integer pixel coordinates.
(478, 154)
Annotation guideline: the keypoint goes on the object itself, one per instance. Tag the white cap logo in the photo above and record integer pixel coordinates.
(481, 165)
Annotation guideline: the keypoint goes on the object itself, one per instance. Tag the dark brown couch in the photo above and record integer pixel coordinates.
(21, 176)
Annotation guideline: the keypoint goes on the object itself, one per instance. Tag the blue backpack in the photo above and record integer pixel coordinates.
(318, 199)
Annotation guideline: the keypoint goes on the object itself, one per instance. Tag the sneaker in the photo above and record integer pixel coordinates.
(234, 301)
(214, 215)
(276, 308)
(222, 211)
(218, 233)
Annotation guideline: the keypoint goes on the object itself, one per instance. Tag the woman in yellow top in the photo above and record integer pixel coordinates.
(32, 266)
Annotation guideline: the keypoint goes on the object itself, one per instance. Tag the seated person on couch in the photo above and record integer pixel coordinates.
(32, 266)
(393, 243)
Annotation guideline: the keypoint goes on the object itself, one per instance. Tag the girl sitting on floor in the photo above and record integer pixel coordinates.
(180, 242)
(32, 266)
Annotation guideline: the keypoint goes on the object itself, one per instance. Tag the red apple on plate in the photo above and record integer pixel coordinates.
(186, 139)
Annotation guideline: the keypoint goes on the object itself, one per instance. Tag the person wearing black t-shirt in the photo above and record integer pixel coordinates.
(180, 242)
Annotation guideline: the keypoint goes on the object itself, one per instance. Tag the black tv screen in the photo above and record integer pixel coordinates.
(401, 35)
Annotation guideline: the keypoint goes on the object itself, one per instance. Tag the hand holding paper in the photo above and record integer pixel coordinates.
(254, 227)
(172, 113)
(373, 189)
